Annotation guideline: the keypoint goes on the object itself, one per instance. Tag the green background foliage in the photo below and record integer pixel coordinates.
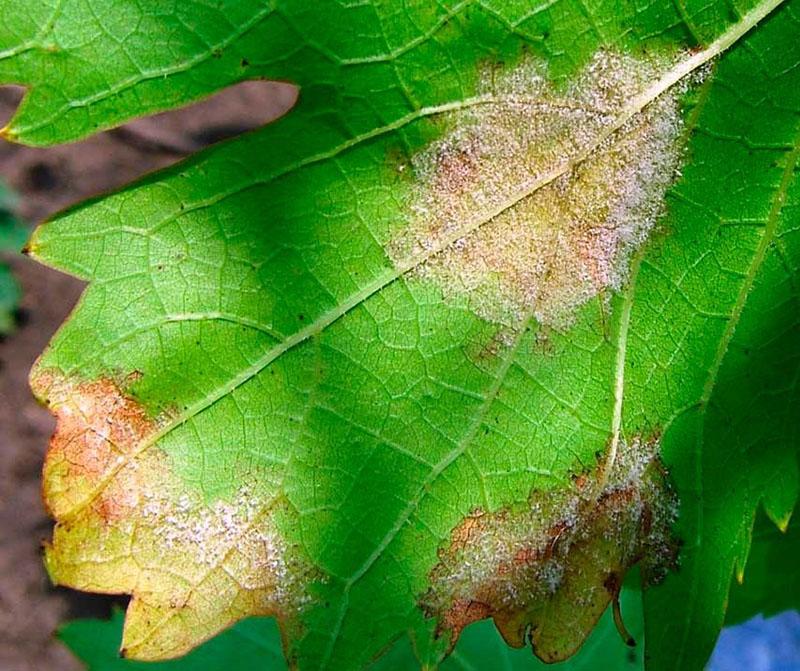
(13, 234)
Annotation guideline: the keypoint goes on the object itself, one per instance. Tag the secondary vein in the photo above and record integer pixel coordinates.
(526, 189)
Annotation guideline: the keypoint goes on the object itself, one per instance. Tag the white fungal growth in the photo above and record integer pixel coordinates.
(545, 250)
(127, 523)
(236, 536)
(528, 567)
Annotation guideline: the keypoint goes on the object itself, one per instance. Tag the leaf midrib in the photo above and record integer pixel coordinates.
(673, 76)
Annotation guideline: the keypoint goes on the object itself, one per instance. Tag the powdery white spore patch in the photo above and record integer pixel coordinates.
(236, 536)
(564, 243)
(559, 559)
(125, 523)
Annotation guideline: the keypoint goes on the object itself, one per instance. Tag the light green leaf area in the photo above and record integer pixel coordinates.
(511, 290)
(91, 65)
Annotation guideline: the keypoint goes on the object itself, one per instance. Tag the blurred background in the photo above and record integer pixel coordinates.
(34, 301)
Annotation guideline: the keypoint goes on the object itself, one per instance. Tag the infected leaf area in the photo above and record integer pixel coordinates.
(126, 523)
(552, 186)
(97, 432)
(546, 572)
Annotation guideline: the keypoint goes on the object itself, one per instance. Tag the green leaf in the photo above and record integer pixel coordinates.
(13, 234)
(255, 642)
(252, 643)
(770, 582)
(738, 444)
(9, 299)
(89, 66)
(771, 586)
(511, 287)
(481, 647)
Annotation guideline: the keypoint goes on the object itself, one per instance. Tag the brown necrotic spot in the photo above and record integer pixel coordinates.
(546, 571)
(555, 225)
(91, 460)
(127, 523)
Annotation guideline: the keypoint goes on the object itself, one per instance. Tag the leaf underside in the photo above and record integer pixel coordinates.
(257, 641)
(505, 306)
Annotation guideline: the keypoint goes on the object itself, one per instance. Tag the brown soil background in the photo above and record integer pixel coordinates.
(48, 180)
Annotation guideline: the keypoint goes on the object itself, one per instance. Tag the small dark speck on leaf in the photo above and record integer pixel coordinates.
(245, 63)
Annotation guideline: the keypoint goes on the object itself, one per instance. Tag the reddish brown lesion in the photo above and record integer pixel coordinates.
(457, 167)
(126, 523)
(561, 558)
(98, 432)
(464, 612)
(463, 534)
(537, 199)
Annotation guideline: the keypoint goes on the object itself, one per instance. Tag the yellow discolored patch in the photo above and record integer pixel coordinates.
(556, 225)
(97, 431)
(546, 572)
(125, 523)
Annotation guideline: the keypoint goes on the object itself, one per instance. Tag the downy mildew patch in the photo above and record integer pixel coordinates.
(546, 571)
(569, 240)
(556, 188)
(531, 203)
(125, 523)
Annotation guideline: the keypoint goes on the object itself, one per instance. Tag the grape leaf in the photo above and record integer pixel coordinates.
(769, 583)
(256, 641)
(251, 643)
(481, 647)
(13, 235)
(455, 339)
(9, 299)
(769, 587)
